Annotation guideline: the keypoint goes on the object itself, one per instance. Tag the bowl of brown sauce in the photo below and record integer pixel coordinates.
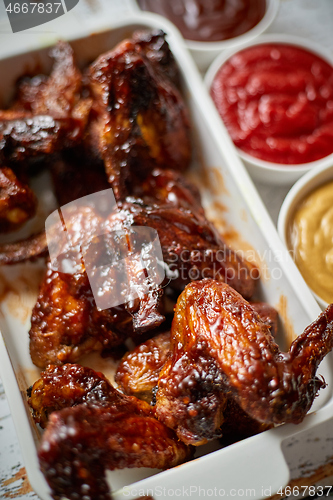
(305, 225)
(210, 26)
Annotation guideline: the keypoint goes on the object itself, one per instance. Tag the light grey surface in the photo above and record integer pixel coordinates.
(308, 18)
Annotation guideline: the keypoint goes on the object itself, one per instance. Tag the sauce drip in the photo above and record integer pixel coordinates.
(209, 20)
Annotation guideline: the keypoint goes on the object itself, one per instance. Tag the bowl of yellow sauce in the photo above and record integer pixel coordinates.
(305, 225)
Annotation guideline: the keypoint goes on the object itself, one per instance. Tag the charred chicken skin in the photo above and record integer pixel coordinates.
(95, 428)
(219, 345)
(141, 119)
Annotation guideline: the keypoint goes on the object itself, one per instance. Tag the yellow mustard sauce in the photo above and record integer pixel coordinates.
(310, 238)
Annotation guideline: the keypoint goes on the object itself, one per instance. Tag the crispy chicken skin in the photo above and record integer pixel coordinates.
(79, 443)
(17, 201)
(141, 119)
(220, 345)
(94, 428)
(137, 373)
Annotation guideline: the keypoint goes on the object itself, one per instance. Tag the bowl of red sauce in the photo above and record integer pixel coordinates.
(305, 226)
(210, 26)
(275, 97)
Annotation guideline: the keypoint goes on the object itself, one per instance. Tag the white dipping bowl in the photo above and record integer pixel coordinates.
(303, 187)
(262, 170)
(205, 52)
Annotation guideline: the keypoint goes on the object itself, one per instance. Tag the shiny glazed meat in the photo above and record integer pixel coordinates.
(139, 370)
(17, 202)
(66, 324)
(220, 345)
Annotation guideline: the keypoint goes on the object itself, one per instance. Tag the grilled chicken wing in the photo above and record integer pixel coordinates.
(72, 384)
(95, 428)
(55, 95)
(192, 249)
(141, 120)
(17, 201)
(138, 371)
(26, 136)
(219, 344)
(189, 243)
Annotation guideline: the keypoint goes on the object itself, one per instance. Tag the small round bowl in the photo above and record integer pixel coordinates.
(262, 170)
(304, 186)
(205, 52)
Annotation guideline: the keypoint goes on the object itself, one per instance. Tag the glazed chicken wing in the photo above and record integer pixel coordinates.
(138, 372)
(66, 324)
(191, 249)
(141, 120)
(26, 136)
(220, 345)
(79, 443)
(95, 428)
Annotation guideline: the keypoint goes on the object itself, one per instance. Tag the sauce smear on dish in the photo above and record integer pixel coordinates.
(311, 240)
(209, 20)
(276, 101)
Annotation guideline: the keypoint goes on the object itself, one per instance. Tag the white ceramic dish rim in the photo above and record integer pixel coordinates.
(314, 47)
(300, 189)
(272, 7)
(249, 456)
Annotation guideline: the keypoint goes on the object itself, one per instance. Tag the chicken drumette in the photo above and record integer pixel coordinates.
(91, 427)
(220, 346)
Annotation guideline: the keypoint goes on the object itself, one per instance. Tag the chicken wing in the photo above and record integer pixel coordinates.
(26, 136)
(220, 345)
(142, 120)
(55, 95)
(17, 202)
(138, 372)
(95, 428)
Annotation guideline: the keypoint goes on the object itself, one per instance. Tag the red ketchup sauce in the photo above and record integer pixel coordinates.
(276, 101)
(209, 20)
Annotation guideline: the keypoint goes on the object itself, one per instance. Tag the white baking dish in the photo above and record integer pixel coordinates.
(257, 465)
